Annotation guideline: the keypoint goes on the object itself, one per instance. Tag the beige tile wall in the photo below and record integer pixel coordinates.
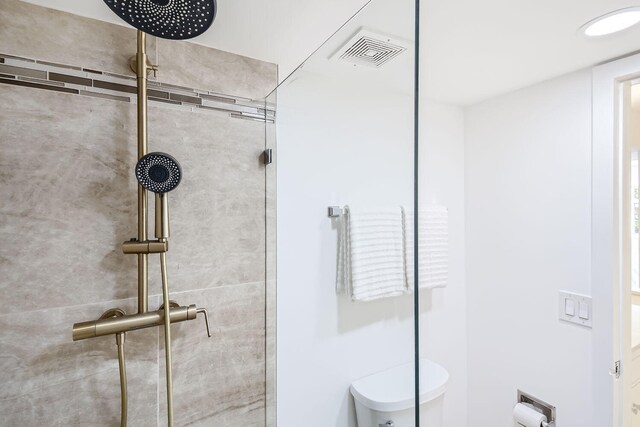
(68, 200)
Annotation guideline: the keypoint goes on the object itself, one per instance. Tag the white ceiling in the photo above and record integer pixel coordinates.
(472, 50)
(384, 21)
(476, 49)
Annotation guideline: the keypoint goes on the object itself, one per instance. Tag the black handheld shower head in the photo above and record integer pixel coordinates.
(158, 172)
(169, 19)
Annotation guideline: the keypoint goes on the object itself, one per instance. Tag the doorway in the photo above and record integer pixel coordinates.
(630, 294)
(615, 247)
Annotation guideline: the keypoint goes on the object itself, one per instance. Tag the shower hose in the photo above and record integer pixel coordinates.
(167, 336)
(120, 337)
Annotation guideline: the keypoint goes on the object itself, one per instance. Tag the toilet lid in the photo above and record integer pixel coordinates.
(393, 389)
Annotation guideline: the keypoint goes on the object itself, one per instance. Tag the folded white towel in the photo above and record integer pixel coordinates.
(433, 246)
(371, 253)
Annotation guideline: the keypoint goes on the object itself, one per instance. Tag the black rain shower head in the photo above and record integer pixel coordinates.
(158, 172)
(169, 19)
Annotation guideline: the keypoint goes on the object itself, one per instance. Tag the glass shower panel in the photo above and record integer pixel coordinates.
(270, 262)
(341, 308)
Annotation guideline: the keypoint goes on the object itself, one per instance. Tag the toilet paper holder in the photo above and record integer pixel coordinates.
(544, 407)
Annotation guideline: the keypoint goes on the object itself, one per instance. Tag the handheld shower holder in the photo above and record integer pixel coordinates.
(134, 246)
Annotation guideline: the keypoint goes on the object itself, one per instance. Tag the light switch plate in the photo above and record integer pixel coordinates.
(581, 303)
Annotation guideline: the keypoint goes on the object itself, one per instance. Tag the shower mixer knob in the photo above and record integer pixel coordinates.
(173, 304)
(206, 319)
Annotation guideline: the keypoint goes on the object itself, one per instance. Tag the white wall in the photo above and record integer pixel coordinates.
(515, 174)
(443, 321)
(527, 183)
(328, 153)
(337, 144)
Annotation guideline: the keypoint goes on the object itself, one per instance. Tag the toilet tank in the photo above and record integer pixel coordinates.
(387, 397)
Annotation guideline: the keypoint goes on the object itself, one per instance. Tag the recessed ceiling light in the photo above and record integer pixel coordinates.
(612, 22)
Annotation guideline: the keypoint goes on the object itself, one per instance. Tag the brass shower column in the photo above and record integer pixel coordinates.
(142, 68)
(159, 173)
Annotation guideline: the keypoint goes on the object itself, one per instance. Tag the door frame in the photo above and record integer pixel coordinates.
(607, 238)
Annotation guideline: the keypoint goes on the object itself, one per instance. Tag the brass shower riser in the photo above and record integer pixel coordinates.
(159, 173)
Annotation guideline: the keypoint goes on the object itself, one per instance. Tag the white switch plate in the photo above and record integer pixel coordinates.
(579, 301)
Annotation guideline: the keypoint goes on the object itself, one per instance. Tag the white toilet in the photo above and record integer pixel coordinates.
(387, 398)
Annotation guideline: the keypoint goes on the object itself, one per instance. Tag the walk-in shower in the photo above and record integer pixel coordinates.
(374, 245)
(207, 147)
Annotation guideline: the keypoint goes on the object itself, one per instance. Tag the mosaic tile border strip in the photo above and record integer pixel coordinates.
(33, 73)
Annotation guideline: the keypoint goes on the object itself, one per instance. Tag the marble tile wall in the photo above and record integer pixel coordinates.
(221, 378)
(69, 200)
(48, 380)
(50, 35)
(197, 66)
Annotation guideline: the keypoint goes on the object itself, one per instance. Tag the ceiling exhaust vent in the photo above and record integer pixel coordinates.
(370, 48)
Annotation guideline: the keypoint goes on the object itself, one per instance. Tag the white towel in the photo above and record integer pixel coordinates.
(371, 253)
(433, 246)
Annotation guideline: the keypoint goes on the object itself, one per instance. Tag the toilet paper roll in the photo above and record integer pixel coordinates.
(526, 416)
